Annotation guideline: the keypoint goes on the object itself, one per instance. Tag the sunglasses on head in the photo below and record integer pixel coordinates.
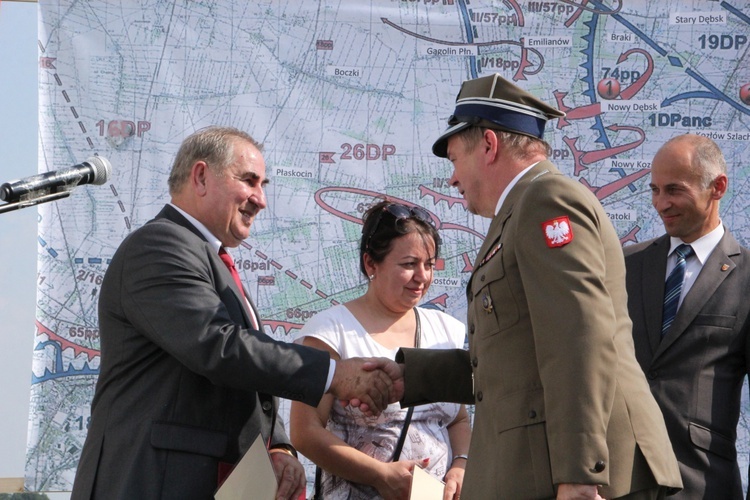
(400, 212)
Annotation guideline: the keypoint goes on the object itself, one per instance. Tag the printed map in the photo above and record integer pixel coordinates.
(348, 98)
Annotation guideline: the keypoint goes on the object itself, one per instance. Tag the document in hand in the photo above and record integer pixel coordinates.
(252, 477)
(424, 486)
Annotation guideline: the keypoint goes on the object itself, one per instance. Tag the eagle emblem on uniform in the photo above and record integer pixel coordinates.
(558, 231)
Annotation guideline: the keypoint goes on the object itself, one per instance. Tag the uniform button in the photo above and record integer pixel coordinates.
(266, 405)
(598, 467)
(653, 374)
(479, 396)
(532, 414)
(482, 278)
(474, 362)
(471, 328)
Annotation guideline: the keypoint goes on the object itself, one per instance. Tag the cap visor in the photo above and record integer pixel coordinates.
(440, 148)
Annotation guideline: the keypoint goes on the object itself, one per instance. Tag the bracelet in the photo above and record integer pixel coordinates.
(283, 448)
(455, 457)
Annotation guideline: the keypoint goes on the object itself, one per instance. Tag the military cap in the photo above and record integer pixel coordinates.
(494, 102)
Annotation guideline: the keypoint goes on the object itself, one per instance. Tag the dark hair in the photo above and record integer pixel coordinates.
(380, 227)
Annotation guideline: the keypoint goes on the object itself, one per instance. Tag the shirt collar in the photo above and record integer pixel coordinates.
(510, 186)
(703, 246)
(210, 238)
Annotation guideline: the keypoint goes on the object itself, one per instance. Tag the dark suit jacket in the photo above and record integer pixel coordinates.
(559, 395)
(184, 382)
(696, 372)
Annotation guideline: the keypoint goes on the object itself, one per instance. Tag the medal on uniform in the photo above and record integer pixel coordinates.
(487, 303)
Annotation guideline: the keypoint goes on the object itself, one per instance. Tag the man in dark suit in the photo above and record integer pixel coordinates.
(695, 360)
(562, 407)
(187, 376)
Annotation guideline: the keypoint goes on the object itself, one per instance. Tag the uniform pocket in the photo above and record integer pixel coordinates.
(519, 409)
(493, 303)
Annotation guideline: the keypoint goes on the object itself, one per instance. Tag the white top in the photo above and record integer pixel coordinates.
(377, 436)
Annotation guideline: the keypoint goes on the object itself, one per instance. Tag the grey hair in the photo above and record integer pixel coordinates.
(213, 145)
(519, 146)
(708, 160)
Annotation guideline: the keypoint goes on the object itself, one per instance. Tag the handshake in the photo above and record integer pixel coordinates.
(370, 384)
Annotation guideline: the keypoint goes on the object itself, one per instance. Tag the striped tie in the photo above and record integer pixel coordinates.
(673, 287)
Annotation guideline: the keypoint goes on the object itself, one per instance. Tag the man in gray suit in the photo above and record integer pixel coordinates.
(695, 359)
(187, 376)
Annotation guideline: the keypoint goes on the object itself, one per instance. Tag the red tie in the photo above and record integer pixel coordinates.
(229, 262)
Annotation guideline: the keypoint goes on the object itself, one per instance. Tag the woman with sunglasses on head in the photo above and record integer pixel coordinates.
(398, 250)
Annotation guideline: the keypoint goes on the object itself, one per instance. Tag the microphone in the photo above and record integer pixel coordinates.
(95, 170)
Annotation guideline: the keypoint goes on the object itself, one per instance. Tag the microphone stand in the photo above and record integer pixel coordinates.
(33, 201)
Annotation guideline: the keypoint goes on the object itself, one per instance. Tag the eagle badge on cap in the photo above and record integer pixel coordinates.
(557, 231)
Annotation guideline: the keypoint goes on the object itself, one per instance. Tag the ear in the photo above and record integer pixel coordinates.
(719, 187)
(198, 177)
(370, 264)
(490, 145)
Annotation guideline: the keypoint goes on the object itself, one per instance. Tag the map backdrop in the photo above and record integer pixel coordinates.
(348, 97)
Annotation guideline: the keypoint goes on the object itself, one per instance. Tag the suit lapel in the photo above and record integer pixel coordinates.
(169, 212)
(652, 293)
(718, 266)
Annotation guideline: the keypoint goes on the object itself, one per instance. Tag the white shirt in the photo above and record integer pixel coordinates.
(702, 248)
(510, 186)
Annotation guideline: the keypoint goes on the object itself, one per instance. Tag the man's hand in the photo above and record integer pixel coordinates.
(396, 373)
(578, 492)
(289, 473)
(370, 389)
(394, 370)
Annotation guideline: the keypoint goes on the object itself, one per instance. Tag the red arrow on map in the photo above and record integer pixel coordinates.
(582, 6)
(583, 158)
(630, 236)
(521, 72)
(437, 197)
(468, 265)
(286, 326)
(517, 9)
(637, 85)
(579, 113)
(440, 300)
(65, 343)
(602, 192)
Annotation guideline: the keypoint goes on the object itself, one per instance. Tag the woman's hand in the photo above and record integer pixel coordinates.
(395, 478)
(454, 480)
